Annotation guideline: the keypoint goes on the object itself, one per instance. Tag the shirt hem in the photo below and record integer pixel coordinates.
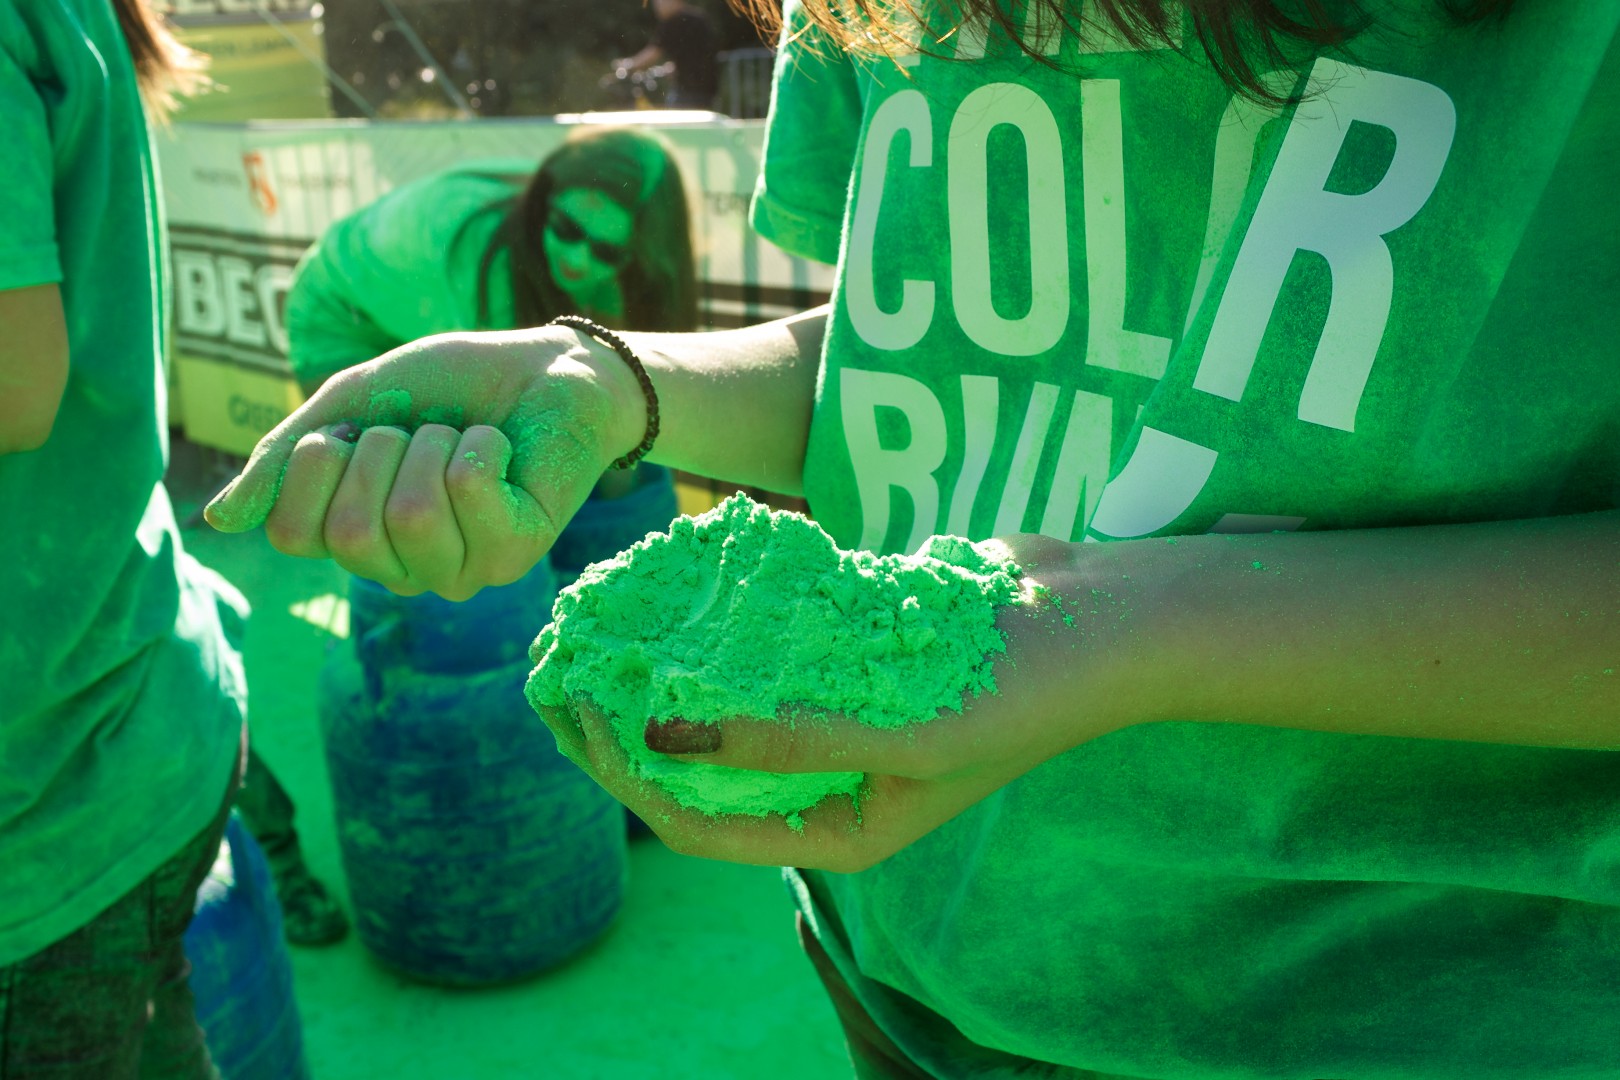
(31, 267)
(809, 235)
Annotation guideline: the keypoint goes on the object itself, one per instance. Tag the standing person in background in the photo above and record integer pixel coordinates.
(1302, 314)
(122, 699)
(686, 37)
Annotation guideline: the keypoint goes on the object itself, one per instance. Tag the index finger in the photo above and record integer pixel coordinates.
(247, 501)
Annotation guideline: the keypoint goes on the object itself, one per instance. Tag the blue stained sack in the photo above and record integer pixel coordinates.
(475, 852)
(430, 633)
(241, 975)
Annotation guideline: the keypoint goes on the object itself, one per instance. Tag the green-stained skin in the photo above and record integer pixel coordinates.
(589, 282)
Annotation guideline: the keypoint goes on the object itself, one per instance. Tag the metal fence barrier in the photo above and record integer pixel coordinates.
(745, 82)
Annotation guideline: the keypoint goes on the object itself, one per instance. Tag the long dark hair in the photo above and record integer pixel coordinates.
(635, 169)
(165, 69)
(1242, 38)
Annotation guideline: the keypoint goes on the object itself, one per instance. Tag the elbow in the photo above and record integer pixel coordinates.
(28, 413)
(20, 435)
(33, 366)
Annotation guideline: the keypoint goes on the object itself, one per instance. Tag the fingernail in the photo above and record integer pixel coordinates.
(347, 432)
(677, 736)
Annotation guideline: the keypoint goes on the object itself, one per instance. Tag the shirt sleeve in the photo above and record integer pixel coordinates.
(28, 251)
(810, 142)
(382, 277)
(328, 329)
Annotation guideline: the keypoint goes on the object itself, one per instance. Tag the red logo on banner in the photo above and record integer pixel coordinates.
(258, 176)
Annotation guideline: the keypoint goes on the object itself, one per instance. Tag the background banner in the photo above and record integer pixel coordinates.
(244, 200)
(266, 58)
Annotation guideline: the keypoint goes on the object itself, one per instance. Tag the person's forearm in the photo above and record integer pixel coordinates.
(735, 404)
(1503, 632)
(646, 58)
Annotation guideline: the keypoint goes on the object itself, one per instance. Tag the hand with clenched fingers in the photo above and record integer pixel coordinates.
(446, 465)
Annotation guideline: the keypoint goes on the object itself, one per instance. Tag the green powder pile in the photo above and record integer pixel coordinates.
(749, 612)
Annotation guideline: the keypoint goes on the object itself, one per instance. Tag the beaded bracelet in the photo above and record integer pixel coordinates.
(614, 341)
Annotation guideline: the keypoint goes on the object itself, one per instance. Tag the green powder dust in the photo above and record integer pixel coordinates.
(745, 611)
(390, 403)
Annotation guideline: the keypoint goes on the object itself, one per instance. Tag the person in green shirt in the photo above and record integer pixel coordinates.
(600, 228)
(122, 696)
(1277, 345)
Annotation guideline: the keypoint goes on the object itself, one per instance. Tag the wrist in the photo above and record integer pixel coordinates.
(623, 422)
(1090, 622)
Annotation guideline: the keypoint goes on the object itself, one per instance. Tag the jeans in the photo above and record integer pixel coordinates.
(110, 1001)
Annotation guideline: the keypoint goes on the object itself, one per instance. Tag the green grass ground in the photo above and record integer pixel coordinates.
(699, 977)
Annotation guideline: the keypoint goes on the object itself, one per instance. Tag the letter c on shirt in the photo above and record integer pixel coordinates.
(906, 111)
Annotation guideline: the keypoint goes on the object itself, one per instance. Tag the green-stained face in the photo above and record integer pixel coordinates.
(587, 239)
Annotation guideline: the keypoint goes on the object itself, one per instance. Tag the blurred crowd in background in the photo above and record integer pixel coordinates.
(504, 57)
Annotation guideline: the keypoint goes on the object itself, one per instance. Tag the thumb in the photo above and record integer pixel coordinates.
(246, 501)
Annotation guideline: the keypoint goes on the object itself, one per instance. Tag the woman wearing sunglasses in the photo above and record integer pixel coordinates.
(601, 229)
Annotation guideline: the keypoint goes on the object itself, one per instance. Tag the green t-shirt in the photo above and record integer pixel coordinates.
(1109, 301)
(121, 700)
(404, 266)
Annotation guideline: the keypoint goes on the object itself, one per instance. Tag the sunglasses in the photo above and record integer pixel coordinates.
(569, 231)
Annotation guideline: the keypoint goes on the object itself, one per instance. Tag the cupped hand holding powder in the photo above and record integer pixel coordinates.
(907, 790)
(758, 695)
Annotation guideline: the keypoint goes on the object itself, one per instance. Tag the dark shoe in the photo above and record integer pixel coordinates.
(309, 915)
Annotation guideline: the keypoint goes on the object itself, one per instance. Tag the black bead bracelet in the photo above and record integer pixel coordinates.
(616, 343)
